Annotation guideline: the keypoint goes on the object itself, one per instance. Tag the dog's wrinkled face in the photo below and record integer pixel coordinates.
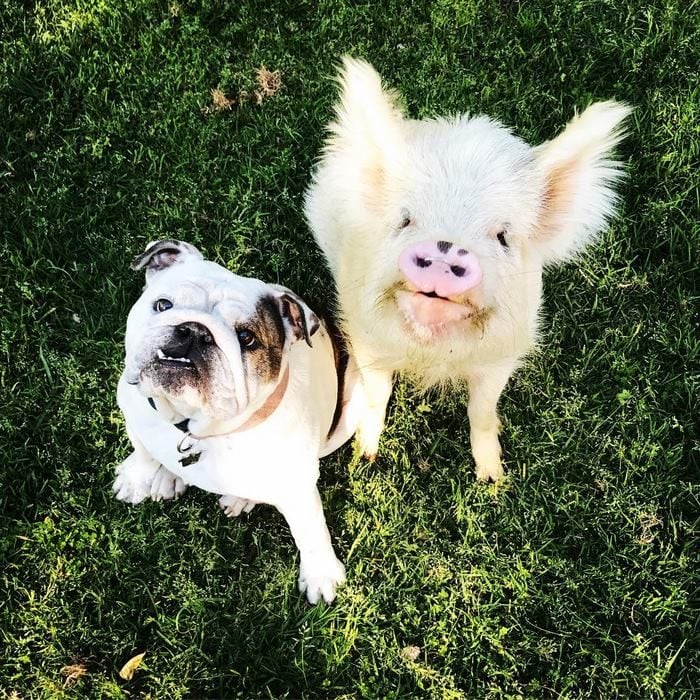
(208, 343)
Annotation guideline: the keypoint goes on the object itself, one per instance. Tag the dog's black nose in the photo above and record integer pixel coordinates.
(188, 342)
(194, 332)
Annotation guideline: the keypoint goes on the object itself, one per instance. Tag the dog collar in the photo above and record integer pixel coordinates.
(261, 414)
(183, 425)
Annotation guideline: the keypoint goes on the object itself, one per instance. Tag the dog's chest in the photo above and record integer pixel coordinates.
(256, 465)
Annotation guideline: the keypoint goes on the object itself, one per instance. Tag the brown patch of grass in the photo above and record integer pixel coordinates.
(649, 522)
(410, 653)
(269, 82)
(219, 102)
(73, 672)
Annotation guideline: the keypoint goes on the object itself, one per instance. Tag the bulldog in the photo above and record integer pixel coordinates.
(235, 386)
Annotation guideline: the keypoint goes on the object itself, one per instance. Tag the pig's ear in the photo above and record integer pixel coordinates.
(160, 255)
(580, 175)
(368, 129)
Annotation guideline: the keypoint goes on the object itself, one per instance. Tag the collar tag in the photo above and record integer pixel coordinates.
(187, 443)
(190, 459)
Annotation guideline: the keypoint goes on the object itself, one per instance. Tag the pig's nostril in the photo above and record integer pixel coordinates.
(423, 262)
(458, 271)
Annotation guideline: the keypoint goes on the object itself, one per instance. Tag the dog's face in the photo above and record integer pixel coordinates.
(443, 222)
(210, 344)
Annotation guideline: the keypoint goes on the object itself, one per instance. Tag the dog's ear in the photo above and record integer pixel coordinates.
(369, 128)
(580, 176)
(161, 255)
(298, 318)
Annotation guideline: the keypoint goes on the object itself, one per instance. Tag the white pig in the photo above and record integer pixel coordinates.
(437, 233)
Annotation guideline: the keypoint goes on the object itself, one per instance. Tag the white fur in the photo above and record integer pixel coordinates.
(275, 461)
(462, 180)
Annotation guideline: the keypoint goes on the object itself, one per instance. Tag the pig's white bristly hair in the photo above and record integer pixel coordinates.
(464, 180)
(460, 174)
(580, 196)
(368, 149)
(367, 114)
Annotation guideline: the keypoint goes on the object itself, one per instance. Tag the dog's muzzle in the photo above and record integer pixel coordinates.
(187, 347)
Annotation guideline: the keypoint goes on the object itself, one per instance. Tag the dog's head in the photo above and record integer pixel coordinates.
(450, 217)
(209, 344)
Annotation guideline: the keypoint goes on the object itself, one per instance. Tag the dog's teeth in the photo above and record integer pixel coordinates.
(163, 356)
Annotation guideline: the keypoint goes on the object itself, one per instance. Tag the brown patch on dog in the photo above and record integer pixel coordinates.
(265, 357)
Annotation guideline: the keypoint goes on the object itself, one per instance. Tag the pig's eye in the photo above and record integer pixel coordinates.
(162, 305)
(405, 219)
(501, 236)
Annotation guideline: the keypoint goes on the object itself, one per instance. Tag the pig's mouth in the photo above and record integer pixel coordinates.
(428, 314)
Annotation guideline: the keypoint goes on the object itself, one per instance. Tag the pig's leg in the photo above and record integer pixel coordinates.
(377, 383)
(485, 387)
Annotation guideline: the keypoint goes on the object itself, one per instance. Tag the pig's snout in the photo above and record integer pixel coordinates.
(440, 267)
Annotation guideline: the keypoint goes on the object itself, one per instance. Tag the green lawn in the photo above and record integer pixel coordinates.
(577, 577)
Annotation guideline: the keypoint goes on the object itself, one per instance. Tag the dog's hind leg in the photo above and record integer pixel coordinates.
(233, 506)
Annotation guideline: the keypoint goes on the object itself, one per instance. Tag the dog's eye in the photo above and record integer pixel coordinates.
(162, 305)
(501, 236)
(247, 339)
(405, 219)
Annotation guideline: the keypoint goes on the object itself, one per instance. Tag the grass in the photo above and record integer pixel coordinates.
(577, 577)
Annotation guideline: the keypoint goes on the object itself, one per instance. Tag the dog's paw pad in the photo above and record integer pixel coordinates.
(321, 581)
(234, 506)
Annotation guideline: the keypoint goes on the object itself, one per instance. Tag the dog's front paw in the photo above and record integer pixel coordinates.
(134, 478)
(319, 579)
(166, 486)
(234, 506)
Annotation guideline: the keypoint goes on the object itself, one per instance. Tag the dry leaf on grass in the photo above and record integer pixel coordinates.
(127, 670)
